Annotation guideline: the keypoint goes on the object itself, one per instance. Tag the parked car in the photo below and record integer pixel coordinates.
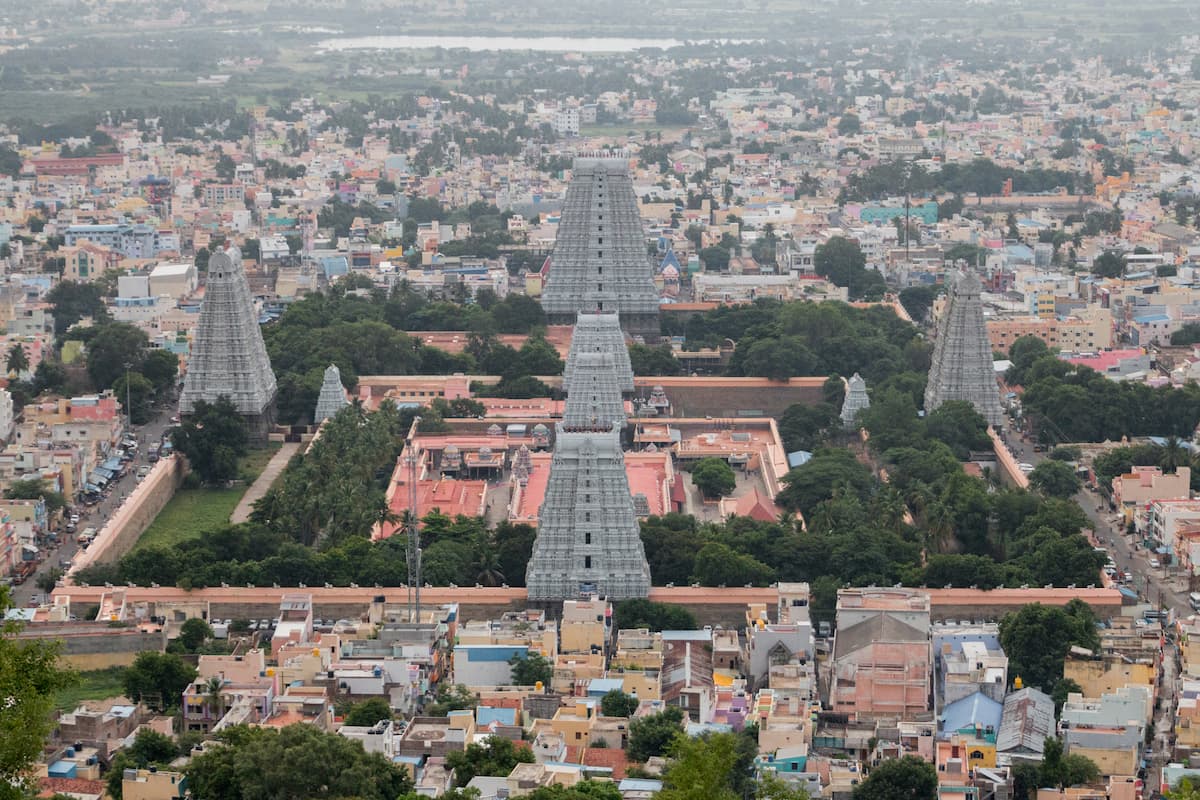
(143, 471)
(1154, 564)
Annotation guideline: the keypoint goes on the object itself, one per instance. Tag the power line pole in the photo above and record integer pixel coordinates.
(413, 545)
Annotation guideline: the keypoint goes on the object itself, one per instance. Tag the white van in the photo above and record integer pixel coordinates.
(1194, 601)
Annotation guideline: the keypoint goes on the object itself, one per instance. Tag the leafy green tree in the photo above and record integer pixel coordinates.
(1036, 640)
(293, 762)
(1187, 788)
(30, 678)
(137, 392)
(713, 477)
(368, 712)
(716, 259)
(1055, 478)
(450, 699)
(518, 313)
(1023, 353)
(495, 757)
(805, 427)
(917, 300)
(839, 259)
(49, 376)
(33, 489)
(160, 367)
(771, 787)
(149, 748)
(827, 472)
(849, 125)
(74, 301)
(534, 668)
(907, 778)
(957, 424)
(1061, 770)
(193, 633)
(110, 348)
(653, 735)
(213, 438)
(718, 564)
(616, 703)
(1109, 264)
(158, 678)
(641, 613)
(584, 790)
(701, 768)
(1066, 453)
(660, 360)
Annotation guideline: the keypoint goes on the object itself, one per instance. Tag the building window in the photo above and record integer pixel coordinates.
(587, 517)
(587, 537)
(587, 562)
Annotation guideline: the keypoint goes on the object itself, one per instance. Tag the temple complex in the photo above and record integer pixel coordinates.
(588, 536)
(962, 356)
(600, 261)
(228, 356)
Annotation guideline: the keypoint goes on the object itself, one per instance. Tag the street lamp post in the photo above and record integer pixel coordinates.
(128, 407)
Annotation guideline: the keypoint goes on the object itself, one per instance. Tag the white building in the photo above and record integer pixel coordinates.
(566, 122)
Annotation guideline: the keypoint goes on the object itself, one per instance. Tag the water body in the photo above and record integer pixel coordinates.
(544, 44)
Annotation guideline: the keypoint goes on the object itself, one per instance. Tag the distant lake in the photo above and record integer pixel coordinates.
(546, 44)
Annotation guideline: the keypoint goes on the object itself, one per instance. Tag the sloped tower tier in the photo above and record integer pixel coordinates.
(593, 394)
(600, 333)
(856, 400)
(588, 536)
(332, 398)
(600, 261)
(228, 355)
(962, 356)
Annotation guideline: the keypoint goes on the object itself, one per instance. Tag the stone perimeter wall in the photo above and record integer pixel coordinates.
(129, 522)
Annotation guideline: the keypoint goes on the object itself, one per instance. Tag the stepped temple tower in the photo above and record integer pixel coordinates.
(600, 261)
(600, 333)
(588, 537)
(333, 396)
(228, 355)
(856, 400)
(962, 356)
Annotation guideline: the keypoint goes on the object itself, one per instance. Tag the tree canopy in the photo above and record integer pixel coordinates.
(1036, 640)
(295, 761)
(495, 757)
(907, 778)
(212, 438)
(158, 679)
(30, 678)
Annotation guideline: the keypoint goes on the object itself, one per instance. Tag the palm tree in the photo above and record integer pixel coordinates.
(17, 362)
(487, 562)
(213, 689)
(1174, 454)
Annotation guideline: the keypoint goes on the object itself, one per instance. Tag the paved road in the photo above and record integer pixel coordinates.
(1158, 586)
(262, 484)
(95, 516)
(1154, 585)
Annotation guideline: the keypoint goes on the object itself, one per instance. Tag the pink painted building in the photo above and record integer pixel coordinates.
(882, 661)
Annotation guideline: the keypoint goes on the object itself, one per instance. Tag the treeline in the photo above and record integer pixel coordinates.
(1055, 391)
(363, 333)
(981, 176)
(782, 340)
(461, 551)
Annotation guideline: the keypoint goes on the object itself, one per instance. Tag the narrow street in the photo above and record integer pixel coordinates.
(28, 593)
